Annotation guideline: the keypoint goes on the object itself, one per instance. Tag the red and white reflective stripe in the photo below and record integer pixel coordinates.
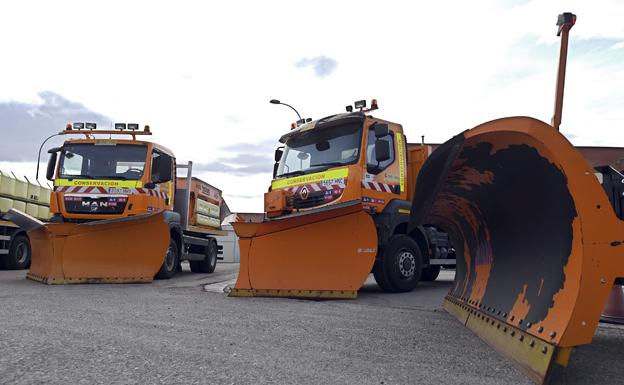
(378, 186)
(104, 190)
(82, 189)
(154, 193)
(314, 187)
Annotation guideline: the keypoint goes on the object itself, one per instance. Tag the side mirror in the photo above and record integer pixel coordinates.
(381, 130)
(278, 153)
(382, 150)
(275, 166)
(161, 169)
(51, 164)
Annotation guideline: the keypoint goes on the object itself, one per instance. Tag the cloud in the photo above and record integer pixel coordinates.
(247, 159)
(264, 147)
(323, 66)
(233, 119)
(26, 125)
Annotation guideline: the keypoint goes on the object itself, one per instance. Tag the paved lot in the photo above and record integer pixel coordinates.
(175, 332)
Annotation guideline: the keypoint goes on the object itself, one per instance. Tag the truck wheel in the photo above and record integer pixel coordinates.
(170, 264)
(380, 276)
(194, 266)
(401, 264)
(430, 273)
(19, 254)
(209, 263)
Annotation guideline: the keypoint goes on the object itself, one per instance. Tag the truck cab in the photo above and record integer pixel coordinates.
(106, 179)
(340, 158)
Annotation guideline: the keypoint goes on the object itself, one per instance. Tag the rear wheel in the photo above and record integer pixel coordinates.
(170, 264)
(19, 254)
(210, 262)
(400, 266)
(430, 273)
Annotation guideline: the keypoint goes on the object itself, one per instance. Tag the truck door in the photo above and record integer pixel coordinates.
(383, 179)
(164, 189)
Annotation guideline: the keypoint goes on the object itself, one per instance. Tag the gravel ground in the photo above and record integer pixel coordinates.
(174, 332)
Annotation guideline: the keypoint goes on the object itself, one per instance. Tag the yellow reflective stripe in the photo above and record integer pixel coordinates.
(310, 178)
(401, 147)
(98, 183)
(404, 211)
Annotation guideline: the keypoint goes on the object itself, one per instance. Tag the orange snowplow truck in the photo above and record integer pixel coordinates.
(337, 209)
(120, 213)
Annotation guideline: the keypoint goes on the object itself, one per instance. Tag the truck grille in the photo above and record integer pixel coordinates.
(95, 205)
(315, 198)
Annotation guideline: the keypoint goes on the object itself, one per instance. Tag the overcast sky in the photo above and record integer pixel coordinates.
(202, 73)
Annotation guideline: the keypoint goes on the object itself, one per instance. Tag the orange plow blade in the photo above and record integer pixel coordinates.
(321, 254)
(114, 251)
(539, 245)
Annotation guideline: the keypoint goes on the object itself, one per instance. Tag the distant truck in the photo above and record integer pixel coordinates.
(105, 191)
(27, 196)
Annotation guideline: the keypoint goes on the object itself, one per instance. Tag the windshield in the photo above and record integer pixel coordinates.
(320, 149)
(110, 161)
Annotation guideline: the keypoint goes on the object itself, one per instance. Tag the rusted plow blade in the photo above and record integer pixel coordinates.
(322, 254)
(110, 251)
(541, 243)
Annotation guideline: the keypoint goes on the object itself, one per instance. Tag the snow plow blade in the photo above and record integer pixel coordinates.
(325, 253)
(538, 243)
(127, 250)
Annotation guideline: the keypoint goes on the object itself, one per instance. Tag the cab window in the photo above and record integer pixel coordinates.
(159, 158)
(372, 166)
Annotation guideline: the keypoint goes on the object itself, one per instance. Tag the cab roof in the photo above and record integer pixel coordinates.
(331, 121)
(326, 122)
(122, 141)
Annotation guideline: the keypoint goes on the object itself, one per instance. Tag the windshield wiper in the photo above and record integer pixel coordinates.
(115, 177)
(328, 164)
(72, 177)
(292, 173)
(314, 167)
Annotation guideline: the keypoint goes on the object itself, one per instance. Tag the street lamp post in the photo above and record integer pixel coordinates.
(275, 101)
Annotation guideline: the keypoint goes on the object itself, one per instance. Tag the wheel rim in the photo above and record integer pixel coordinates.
(170, 259)
(407, 264)
(21, 253)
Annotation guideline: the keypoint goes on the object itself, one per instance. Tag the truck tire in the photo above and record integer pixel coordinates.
(19, 254)
(400, 266)
(380, 276)
(430, 273)
(209, 263)
(171, 262)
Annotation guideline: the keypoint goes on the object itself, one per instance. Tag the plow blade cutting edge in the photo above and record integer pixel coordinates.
(123, 250)
(327, 253)
(538, 243)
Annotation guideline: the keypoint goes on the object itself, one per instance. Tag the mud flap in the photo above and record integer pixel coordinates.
(327, 253)
(536, 238)
(115, 251)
